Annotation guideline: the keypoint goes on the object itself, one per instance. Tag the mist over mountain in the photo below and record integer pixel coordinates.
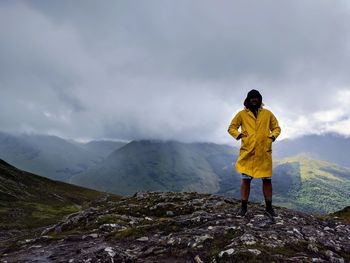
(160, 165)
(102, 148)
(49, 156)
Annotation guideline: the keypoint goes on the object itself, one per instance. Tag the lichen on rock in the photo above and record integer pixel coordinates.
(184, 227)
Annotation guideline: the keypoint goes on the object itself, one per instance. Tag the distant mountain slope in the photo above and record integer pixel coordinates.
(29, 200)
(299, 182)
(49, 156)
(328, 147)
(303, 184)
(175, 166)
(102, 148)
(158, 165)
(316, 186)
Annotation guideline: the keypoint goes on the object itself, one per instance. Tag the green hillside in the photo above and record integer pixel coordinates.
(303, 184)
(299, 182)
(159, 166)
(312, 185)
(28, 200)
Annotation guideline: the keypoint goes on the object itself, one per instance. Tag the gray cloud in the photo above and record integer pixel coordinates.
(172, 69)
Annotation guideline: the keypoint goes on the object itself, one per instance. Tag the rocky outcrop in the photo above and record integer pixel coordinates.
(183, 227)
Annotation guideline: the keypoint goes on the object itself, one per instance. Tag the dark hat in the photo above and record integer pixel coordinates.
(254, 94)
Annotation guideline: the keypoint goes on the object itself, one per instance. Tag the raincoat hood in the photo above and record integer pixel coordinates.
(253, 94)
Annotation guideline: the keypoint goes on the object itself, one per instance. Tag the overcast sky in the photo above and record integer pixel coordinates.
(172, 69)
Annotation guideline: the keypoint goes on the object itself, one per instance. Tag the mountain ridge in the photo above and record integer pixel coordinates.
(328, 147)
(158, 165)
(176, 166)
(47, 155)
(169, 165)
(28, 200)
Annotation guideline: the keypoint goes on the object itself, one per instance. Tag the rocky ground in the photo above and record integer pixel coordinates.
(181, 227)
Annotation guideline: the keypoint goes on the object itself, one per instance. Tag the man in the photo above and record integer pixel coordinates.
(258, 129)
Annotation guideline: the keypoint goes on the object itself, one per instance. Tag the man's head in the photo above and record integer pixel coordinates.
(253, 100)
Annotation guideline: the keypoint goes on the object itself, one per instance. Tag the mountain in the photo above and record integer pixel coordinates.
(299, 182)
(183, 227)
(161, 165)
(28, 200)
(102, 148)
(314, 186)
(328, 147)
(49, 156)
(175, 166)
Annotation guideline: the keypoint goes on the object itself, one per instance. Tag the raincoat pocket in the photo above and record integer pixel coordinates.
(269, 144)
(244, 144)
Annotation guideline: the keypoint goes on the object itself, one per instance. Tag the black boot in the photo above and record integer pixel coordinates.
(244, 208)
(269, 210)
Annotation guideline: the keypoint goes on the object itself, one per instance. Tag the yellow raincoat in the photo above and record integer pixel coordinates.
(255, 155)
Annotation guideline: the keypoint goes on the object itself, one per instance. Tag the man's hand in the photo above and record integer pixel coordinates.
(242, 135)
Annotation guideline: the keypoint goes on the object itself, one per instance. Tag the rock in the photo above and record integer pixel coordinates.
(255, 251)
(312, 247)
(149, 251)
(297, 233)
(142, 239)
(109, 227)
(144, 228)
(200, 239)
(73, 238)
(220, 203)
(169, 213)
(110, 251)
(248, 239)
(229, 252)
(317, 260)
(197, 259)
(171, 241)
(139, 195)
(94, 235)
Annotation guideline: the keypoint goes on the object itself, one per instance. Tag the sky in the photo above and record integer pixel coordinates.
(172, 70)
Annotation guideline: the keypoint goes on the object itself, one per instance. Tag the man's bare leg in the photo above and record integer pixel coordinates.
(267, 190)
(245, 190)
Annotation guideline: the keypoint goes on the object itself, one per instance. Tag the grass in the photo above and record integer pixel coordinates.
(23, 215)
(342, 215)
(30, 201)
(320, 180)
(215, 245)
